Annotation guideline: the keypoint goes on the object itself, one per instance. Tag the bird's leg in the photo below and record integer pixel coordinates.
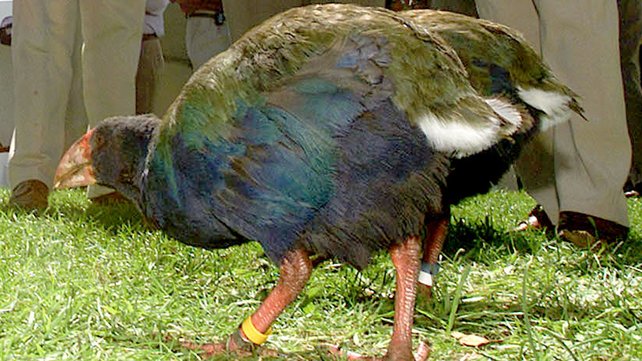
(295, 271)
(436, 230)
(405, 257)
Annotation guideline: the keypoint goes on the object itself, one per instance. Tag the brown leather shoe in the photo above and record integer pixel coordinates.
(30, 195)
(631, 190)
(589, 231)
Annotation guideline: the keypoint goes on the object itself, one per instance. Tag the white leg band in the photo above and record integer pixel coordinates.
(425, 278)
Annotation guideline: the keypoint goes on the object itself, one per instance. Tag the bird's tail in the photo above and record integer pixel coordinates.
(557, 105)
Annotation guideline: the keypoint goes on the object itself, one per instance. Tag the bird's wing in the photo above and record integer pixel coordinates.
(353, 48)
(500, 63)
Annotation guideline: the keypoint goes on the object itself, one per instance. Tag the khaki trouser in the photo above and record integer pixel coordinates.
(581, 165)
(44, 41)
(204, 39)
(244, 14)
(150, 66)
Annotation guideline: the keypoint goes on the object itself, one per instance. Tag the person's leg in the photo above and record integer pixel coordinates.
(535, 165)
(204, 39)
(112, 32)
(242, 15)
(592, 158)
(588, 157)
(43, 39)
(150, 65)
(520, 15)
(76, 118)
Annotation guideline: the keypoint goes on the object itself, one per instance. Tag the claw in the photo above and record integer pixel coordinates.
(422, 354)
(232, 346)
(205, 350)
(336, 351)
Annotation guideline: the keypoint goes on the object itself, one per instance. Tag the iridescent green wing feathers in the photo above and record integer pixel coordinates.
(498, 59)
(429, 83)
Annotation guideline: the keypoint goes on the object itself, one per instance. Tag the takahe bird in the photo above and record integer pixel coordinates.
(329, 130)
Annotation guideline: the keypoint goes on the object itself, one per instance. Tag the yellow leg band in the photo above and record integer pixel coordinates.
(252, 334)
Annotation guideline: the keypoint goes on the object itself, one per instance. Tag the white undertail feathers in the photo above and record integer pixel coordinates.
(555, 105)
(462, 137)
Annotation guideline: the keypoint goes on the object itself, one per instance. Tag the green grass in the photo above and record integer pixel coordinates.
(86, 282)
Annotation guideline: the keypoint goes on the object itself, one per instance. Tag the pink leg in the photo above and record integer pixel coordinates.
(405, 257)
(436, 231)
(295, 271)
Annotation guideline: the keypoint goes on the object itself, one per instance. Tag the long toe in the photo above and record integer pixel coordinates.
(422, 354)
(210, 350)
(340, 353)
(231, 347)
(205, 350)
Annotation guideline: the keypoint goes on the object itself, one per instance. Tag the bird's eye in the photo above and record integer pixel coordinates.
(98, 140)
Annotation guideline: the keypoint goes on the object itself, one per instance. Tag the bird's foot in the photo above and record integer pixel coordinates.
(235, 345)
(421, 355)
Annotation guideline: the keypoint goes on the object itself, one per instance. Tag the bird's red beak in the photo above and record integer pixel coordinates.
(75, 169)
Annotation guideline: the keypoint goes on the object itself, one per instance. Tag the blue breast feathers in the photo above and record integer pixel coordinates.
(265, 180)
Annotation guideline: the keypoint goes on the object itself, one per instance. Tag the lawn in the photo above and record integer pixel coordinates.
(87, 282)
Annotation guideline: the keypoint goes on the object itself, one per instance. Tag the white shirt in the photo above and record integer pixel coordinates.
(154, 23)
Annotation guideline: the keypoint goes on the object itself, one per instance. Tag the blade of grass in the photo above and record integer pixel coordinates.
(457, 299)
(559, 339)
(527, 319)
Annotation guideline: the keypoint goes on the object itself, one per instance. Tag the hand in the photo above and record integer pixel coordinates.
(190, 6)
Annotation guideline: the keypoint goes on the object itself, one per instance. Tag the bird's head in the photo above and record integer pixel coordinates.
(112, 154)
